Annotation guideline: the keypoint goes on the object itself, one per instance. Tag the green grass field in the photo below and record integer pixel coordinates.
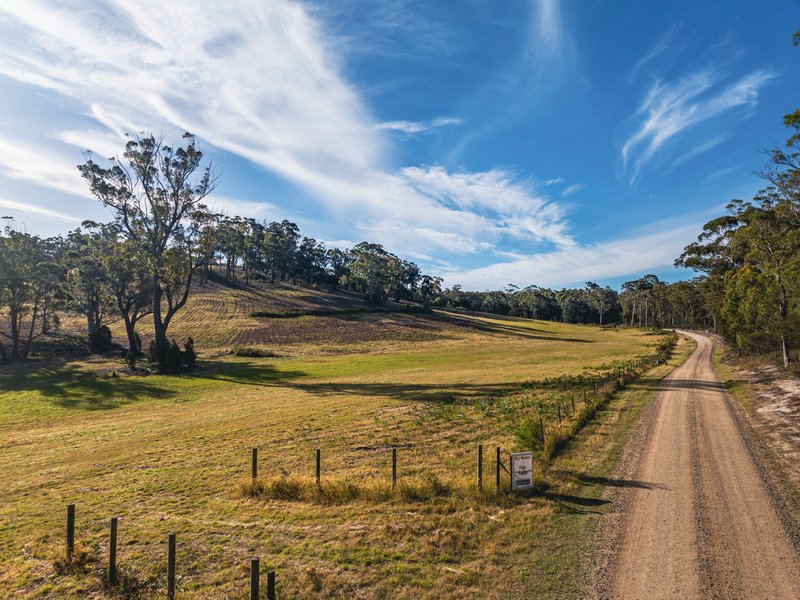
(169, 454)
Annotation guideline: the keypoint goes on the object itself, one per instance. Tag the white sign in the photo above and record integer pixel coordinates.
(521, 470)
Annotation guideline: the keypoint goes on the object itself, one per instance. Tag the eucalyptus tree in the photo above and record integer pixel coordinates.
(312, 260)
(26, 269)
(87, 278)
(429, 289)
(156, 195)
(602, 299)
(279, 247)
(131, 286)
(373, 271)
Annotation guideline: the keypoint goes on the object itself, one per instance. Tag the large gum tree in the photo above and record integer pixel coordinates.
(156, 193)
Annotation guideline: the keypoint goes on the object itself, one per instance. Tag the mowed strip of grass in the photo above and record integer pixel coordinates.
(167, 454)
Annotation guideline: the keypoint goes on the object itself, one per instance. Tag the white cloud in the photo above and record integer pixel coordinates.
(512, 207)
(411, 127)
(699, 149)
(670, 109)
(630, 256)
(573, 189)
(41, 166)
(262, 81)
(660, 47)
(38, 211)
(555, 181)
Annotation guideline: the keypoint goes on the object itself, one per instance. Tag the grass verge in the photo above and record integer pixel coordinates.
(737, 388)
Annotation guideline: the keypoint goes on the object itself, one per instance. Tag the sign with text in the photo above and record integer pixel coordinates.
(521, 470)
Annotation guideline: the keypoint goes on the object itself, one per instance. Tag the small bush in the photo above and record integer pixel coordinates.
(189, 356)
(249, 352)
(130, 360)
(100, 340)
(528, 435)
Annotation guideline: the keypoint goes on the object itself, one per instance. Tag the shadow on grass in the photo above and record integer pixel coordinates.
(251, 372)
(263, 374)
(575, 504)
(506, 328)
(72, 387)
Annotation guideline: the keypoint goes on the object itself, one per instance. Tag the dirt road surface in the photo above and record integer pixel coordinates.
(692, 516)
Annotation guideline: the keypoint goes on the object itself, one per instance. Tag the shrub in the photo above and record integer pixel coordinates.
(528, 435)
(248, 352)
(189, 356)
(152, 355)
(100, 340)
(130, 360)
(172, 358)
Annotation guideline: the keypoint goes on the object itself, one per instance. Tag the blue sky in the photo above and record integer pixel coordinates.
(543, 142)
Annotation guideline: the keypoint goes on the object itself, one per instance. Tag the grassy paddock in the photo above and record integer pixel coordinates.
(170, 453)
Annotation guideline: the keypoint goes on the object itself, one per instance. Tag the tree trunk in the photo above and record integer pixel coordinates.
(159, 330)
(785, 352)
(130, 330)
(14, 334)
(31, 330)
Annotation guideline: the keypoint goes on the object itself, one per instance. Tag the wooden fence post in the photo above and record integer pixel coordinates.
(319, 458)
(112, 554)
(171, 567)
(394, 467)
(480, 467)
(70, 531)
(254, 579)
(558, 413)
(255, 463)
(497, 472)
(271, 585)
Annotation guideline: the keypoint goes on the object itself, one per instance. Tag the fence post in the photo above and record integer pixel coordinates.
(253, 579)
(541, 426)
(558, 413)
(255, 463)
(171, 568)
(70, 531)
(394, 467)
(480, 467)
(572, 397)
(318, 466)
(112, 554)
(271, 585)
(497, 472)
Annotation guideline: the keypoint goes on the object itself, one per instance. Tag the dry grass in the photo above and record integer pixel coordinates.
(168, 454)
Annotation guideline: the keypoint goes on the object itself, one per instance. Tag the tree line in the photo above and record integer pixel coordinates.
(591, 304)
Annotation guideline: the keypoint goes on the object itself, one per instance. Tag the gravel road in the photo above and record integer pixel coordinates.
(692, 515)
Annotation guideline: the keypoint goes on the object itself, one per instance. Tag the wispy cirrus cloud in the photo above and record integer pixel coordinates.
(572, 189)
(262, 81)
(661, 46)
(673, 107)
(412, 127)
(26, 208)
(699, 149)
